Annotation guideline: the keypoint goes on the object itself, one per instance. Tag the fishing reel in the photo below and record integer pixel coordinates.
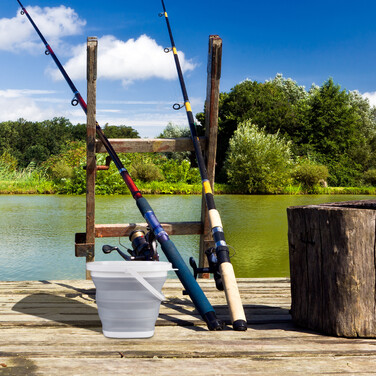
(144, 247)
(213, 267)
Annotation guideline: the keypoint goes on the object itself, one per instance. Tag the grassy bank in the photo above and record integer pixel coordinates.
(34, 180)
(25, 182)
(48, 187)
(37, 184)
(298, 190)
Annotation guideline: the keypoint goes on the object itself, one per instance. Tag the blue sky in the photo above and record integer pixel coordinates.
(137, 84)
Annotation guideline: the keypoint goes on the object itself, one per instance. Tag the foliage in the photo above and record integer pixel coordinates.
(145, 170)
(369, 177)
(293, 92)
(335, 127)
(332, 121)
(120, 131)
(175, 171)
(27, 180)
(344, 172)
(61, 166)
(175, 131)
(70, 177)
(326, 124)
(258, 162)
(35, 142)
(309, 174)
(8, 161)
(273, 105)
(336, 131)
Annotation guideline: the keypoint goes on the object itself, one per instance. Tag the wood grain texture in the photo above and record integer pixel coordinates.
(211, 132)
(150, 145)
(92, 45)
(332, 266)
(52, 328)
(125, 229)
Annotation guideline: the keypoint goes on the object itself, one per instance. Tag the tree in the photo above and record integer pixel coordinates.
(258, 162)
(364, 152)
(272, 105)
(309, 174)
(36, 141)
(176, 131)
(329, 125)
(336, 133)
(293, 92)
(77, 132)
(120, 131)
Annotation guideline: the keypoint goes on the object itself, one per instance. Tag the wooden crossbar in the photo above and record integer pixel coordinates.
(124, 229)
(150, 145)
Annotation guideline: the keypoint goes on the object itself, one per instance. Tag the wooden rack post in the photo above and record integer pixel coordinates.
(92, 46)
(211, 130)
(85, 242)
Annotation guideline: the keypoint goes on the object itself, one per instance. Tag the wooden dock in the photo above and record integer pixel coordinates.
(52, 328)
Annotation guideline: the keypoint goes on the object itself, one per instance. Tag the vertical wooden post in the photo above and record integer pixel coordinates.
(92, 44)
(211, 126)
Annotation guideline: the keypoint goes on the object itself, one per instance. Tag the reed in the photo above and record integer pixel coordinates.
(26, 181)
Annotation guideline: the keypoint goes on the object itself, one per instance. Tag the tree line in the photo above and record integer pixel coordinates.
(324, 126)
(34, 142)
(270, 134)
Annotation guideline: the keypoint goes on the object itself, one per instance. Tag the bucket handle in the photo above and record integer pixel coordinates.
(146, 284)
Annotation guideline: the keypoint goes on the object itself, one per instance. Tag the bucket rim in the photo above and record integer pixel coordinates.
(120, 266)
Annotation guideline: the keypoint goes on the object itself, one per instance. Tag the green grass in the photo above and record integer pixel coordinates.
(19, 187)
(26, 181)
(298, 190)
(35, 181)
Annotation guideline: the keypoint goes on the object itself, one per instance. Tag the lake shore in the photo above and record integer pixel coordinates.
(158, 188)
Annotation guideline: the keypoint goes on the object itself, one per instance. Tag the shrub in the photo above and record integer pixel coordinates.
(310, 174)
(258, 162)
(369, 177)
(145, 170)
(7, 161)
(61, 170)
(175, 171)
(175, 131)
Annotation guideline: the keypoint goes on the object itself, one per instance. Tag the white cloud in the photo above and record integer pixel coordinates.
(135, 59)
(35, 105)
(12, 93)
(23, 107)
(371, 96)
(17, 33)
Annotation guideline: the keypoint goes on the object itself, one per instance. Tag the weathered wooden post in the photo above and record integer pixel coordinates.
(211, 129)
(92, 46)
(332, 267)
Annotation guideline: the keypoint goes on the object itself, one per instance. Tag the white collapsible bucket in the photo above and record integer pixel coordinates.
(128, 296)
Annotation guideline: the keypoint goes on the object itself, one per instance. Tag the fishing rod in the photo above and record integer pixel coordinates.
(225, 267)
(195, 292)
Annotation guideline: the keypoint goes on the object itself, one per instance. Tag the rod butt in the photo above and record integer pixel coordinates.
(239, 325)
(212, 321)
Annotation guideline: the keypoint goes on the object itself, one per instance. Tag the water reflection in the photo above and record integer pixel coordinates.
(37, 232)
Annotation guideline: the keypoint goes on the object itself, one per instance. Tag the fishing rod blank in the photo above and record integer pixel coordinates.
(225, 267)
(190, 284)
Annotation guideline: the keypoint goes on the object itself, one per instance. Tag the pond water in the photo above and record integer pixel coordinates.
(37, 232)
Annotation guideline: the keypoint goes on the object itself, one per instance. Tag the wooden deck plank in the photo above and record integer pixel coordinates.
(168, 367)
(52, 328)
